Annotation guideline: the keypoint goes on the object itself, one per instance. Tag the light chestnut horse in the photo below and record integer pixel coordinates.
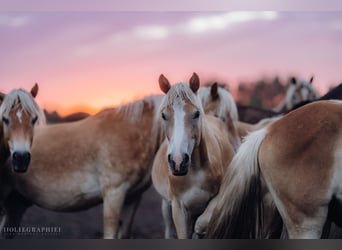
(299, 158)
(189, 165)
(298, 91)
(19, 116)
(218, 101)
(103, 158)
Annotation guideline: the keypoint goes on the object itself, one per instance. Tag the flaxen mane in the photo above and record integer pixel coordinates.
(20, 97)
(181, 92)
(226, 101)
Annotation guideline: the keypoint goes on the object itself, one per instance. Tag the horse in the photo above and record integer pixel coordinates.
(298, 91)
(217, 101)
(334, 93)
(189, 165)
(298, 157)
(19, 116)
(105, 158)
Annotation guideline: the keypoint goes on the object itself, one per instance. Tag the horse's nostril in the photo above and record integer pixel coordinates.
(15, 156)
(186, 158)
(171, 162)
(169, 158)
(27, 156)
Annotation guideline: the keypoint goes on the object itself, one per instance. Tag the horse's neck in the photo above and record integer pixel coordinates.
(200, 155)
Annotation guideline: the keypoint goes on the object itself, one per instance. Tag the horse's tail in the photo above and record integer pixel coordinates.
(238, 213)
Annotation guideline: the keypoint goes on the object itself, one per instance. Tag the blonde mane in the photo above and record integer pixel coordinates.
(181, 92)
(20, 97)
(226, 101)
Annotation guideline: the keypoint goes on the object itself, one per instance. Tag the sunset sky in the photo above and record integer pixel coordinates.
(86, 60)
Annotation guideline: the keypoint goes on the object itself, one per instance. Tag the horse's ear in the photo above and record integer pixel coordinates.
(194, 82)
(293, 80)
(34, 90)
(2, 96)
(311, 79)
(214, 91)
(164, 84)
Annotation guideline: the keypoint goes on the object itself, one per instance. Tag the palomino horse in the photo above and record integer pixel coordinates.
(217, 101)
(19, 114)
(189, 165)
(299, 158)
(103, 158)
(298, 91)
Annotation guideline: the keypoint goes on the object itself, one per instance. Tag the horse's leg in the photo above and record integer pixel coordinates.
(301, 225)
(127, 217)
(113, 200)
(181, 220)
(202, 221)
(15, 207)
(170, 231)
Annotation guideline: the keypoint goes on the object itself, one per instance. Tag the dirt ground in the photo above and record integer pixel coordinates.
(148, 222)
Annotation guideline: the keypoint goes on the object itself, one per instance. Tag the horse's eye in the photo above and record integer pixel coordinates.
(34, 120)
(164, 117)
(5, 120)
(196, 115)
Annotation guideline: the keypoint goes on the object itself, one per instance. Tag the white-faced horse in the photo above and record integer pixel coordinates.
(298, 91)
(218, 101)
(189, 165)
(103, 158)
(299, 157)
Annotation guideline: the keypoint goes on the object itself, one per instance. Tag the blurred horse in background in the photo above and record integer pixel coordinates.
(103, 158)
(333, 94)
(189, 165)
(299, 159)
(298, 91)
(217, 101)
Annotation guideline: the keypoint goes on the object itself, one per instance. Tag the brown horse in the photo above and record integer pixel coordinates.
(217, 101)
(189, 165)
(299, 159)
(103, 158)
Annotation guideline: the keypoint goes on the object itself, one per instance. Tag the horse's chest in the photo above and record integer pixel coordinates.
(197, 192)
(196, 198)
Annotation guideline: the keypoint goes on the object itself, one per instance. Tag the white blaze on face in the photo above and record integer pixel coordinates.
(19, 145)
(177, 146)
(19, 115)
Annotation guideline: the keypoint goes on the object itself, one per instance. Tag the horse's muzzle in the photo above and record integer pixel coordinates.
(21, 161)
(183, 167)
